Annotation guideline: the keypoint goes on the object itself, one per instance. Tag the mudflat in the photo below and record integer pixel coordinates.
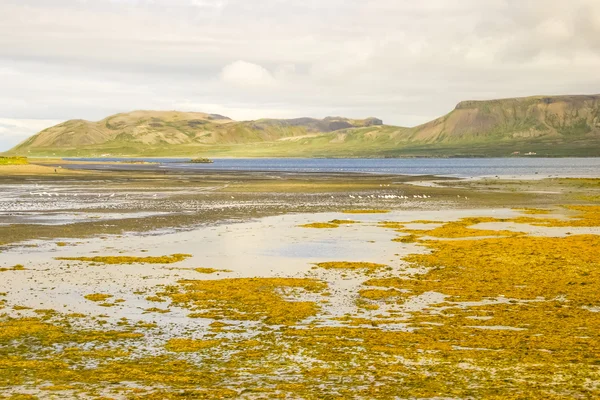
(144, 285)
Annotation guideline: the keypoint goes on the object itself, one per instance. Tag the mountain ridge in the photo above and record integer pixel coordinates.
(567, 125)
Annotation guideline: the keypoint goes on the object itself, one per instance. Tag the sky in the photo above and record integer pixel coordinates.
(405, 62)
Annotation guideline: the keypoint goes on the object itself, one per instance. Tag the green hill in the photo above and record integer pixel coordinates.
(544, 125)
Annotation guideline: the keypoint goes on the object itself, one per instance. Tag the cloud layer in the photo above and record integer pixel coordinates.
(403, 61)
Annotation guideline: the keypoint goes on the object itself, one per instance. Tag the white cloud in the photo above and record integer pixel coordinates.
(405, 62)
(244, 74)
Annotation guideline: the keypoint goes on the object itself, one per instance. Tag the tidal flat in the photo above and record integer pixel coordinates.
(139, 285)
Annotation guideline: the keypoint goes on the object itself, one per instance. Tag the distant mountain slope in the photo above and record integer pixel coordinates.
(171, 128)
(515, 118)
(544, 125)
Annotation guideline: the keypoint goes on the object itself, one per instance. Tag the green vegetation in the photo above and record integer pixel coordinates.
(531, 126)
(13, 160)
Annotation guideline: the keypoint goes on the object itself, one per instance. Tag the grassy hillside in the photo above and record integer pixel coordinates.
(546, 126)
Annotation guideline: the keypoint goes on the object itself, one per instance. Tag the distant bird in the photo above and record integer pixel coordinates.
(112, 195)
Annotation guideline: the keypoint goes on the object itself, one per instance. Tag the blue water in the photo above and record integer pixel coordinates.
(457, 167)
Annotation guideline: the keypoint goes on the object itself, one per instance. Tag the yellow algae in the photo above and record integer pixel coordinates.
(350, 265)
(334, 223)
(17, 267)
(213, 393)
(366, 211)
(461, 229)
(381, 294)
(583, 182)
(218, 325)
(589, 198)
(58, 388)
(156, 310)
(181, 345)
(537, 338)
(173, 258)
(588, 216)
(533, 211)
(246, 299)
(411, 238)
(48, 333)
(391, 225)
(156, 298)
(210, 270)
(515, 267)
(320, 225)
(97, 296)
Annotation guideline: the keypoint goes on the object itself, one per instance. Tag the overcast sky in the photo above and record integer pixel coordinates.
(403, 61)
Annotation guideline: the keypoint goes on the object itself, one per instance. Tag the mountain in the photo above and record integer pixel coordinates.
(544, 125)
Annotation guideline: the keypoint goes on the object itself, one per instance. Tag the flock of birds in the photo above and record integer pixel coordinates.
(100, 195)
(390, 196)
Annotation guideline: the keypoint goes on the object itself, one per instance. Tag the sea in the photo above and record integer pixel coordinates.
(533, 167)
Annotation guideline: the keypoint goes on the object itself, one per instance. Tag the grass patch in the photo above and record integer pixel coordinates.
(13, 160)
